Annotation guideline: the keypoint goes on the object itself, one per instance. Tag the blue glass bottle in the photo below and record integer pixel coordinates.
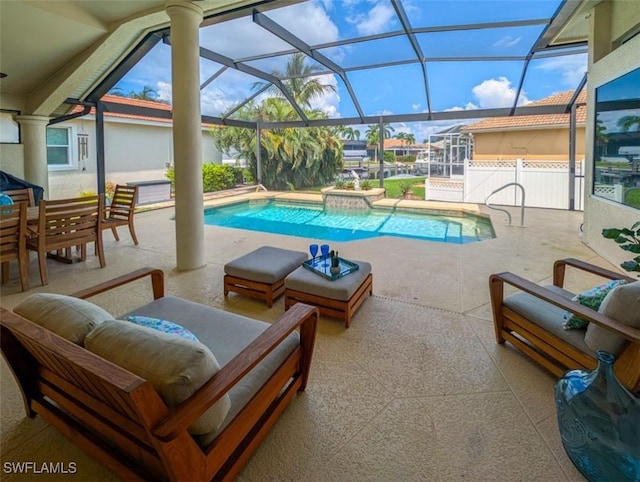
(599, 421)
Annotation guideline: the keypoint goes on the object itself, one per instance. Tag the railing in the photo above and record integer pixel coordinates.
(486, 202)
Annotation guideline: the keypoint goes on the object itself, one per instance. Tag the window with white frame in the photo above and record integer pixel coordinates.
(60, 148)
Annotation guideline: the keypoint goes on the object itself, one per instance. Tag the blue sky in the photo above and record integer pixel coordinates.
(454, 85)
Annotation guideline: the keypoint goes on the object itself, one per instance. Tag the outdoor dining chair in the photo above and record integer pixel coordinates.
(13, 237)
(121, 210)
(65, 223)
(21, 195)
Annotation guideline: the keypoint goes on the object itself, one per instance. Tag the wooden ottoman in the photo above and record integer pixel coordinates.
(260, 274)
(338, 299)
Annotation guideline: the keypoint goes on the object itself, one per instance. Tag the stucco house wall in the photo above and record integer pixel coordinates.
(135, 150)
(609, 21)
(527, 144)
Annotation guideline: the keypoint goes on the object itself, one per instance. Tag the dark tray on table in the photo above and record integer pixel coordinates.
(346, 267)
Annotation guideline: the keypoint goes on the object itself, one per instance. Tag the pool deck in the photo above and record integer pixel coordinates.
(415, 389)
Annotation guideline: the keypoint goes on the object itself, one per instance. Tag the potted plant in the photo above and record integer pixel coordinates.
(349, 185)
(365, 184)
(405, 189)
(339, 182)
(629, 240)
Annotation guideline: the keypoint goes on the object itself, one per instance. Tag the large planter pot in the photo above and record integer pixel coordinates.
(599, 421)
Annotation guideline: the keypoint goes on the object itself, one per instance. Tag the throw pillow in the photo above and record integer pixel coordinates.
(5, 201)
(175, 367)
(591, 299)
(69, 317)
(164, 326)
(621, 304)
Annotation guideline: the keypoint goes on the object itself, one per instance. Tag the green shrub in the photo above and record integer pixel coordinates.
(365, 184)
(339, 183)
(394, 190)
(247, 176)
(406, 158)
(629, 240)
(215, 177)
(405, 187)
(389, 156)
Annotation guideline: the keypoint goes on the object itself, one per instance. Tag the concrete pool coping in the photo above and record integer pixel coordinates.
(438, 206)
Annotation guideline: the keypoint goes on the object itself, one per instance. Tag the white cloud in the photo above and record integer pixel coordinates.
(571, 68)
(491, 94)
(415, 106)
(164, 91)
(307, 21)
(468, 106)
(375, 21)
(499, 92)
(329, 102)
(506, 42)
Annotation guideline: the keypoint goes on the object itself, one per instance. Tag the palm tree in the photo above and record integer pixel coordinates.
(372, 135)
(627, 122)
(147, 93)
(402, 137)
(349, 133)
(290, 157)
(410, 139)
(299, 81)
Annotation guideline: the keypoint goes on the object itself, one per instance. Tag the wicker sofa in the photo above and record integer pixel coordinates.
(531, 320)
(130, 423)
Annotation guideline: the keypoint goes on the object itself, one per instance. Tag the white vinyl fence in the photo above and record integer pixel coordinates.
(546, 183)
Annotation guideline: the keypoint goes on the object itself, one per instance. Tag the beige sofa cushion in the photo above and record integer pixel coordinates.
(69, 317)
(621, 304)
(175, 366)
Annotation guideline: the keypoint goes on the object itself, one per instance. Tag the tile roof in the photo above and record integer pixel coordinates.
(116, 99)
(520, 121)
(399, 144)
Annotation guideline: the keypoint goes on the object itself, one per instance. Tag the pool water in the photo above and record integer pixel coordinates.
(312, 221)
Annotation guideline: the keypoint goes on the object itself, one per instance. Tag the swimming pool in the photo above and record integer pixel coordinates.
(313, 221)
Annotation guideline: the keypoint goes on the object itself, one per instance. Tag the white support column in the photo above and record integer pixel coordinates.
(34, 139)
(187, 132)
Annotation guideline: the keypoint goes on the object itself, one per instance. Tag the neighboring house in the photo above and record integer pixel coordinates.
(531, 137)
(400, 148)
(354, 150)
(137, 148)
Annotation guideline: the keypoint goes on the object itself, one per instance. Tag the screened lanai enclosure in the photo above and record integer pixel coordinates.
(364, 64)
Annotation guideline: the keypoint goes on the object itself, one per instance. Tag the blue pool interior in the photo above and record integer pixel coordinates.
(313, 221)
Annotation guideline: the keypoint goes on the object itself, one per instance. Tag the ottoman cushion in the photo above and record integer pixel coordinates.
(266, 264)
(341, 289)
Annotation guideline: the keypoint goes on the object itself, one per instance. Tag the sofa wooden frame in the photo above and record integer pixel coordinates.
(553, 353)
(119, 418)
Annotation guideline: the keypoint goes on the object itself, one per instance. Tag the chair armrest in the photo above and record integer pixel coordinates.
(157, 283)
(299, 315)
(496, 282)
(559, 270)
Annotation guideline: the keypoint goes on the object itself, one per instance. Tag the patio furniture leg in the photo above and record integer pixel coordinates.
(42, 264)
(5, 271)
(115, 233)
(133, 232)
(23, 266)
(100, 249)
